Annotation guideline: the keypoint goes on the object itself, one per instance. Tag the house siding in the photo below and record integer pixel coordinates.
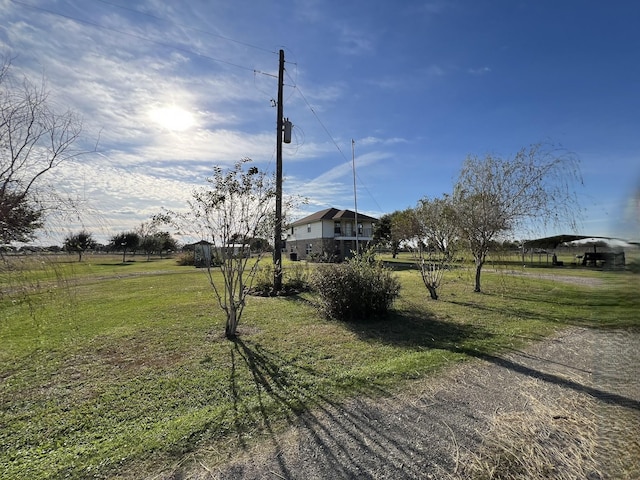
(300, 232)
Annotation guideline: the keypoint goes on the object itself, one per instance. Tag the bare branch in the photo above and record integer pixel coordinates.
(34, 139)
(530, 191)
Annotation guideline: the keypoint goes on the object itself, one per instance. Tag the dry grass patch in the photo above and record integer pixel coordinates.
(571, 437)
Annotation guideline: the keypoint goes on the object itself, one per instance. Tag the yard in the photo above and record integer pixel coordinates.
(112, 370)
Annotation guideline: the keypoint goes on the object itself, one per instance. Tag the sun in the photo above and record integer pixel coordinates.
(172, 118)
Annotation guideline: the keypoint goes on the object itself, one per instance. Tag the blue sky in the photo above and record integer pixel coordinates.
(173, 88)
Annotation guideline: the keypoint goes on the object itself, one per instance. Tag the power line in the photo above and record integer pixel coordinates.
(320, 121)
(140, 37)
(332, 139)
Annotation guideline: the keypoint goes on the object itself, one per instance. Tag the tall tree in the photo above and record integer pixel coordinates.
(150, 244)
(396, 228)
(152, 240)
(79, 243)
(167, 242)
(382, 231)
(494, 197)
(157, 242)
(126, 241)
(236, 207)
(35, 138)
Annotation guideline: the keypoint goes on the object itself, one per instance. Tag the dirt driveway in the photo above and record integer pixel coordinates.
(570, 405)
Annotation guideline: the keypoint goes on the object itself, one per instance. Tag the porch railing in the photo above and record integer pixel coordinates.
(365, 232)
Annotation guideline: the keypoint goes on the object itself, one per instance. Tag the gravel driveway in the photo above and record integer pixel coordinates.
(585, 381)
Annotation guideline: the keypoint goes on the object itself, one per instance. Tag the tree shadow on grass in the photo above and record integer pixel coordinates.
(347, 436)
(499, 357)
(597, 393)
(512, 311)
(415, 329)
(336, 438)
(598, 297)
(279, 392)
(119, 264)
(373, 433)
(411, 327)
(573, 309)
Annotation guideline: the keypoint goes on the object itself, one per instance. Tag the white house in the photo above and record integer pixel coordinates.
(330, 233)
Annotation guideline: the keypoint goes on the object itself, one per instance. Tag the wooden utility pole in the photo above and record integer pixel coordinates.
(277, 241)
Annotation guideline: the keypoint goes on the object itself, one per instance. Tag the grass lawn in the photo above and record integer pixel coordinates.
(121, 371)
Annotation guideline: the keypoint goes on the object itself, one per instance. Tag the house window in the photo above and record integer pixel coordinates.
(291, 230)
(308, 248)
(308, 228)
(336, 228)
(359, 229)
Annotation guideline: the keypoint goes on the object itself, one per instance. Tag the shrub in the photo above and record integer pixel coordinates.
(295, 280)
(296, 277)
(263, 280)
(359, 289)
(186, 258)
(317, 257)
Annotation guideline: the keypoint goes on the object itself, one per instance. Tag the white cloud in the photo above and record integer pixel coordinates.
(435, 71)
(114, 198)
(354, 42)
(345, 169)
(479, 71)
(334, 187)
(217, 146)
(379, 141)
(310, 11)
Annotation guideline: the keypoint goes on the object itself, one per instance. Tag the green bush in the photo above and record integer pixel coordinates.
(359, 289)
(296, 277)
(317, 257)
(263, 279)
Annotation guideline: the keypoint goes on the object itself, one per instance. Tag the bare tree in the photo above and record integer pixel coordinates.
(236, 208)
(34, 139)
(437, 238)
(150, 240)
(495, 196)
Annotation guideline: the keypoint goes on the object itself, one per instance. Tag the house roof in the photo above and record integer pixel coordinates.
(201, 242)
(332, 214)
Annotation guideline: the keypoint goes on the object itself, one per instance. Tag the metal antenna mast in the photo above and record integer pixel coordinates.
(355, 194)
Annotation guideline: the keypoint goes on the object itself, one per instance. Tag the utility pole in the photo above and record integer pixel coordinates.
(277, 241)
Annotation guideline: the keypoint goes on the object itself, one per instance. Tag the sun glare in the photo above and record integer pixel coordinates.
(172, 118)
